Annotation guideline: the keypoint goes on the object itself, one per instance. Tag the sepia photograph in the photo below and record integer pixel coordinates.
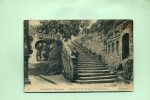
(78, 55)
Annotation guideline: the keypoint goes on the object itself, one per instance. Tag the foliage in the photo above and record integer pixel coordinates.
(53, 65)
(65, 27)
(104, 26)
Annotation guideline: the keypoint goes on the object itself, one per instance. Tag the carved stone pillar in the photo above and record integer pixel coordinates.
(27, 52)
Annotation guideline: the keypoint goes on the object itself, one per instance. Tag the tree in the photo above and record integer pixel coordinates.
(65, 27)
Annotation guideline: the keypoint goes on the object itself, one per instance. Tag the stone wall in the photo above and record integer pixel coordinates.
(68, 67)
(93, 43)
(113, 57)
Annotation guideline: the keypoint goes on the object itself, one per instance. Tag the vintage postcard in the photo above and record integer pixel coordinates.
(78, 55)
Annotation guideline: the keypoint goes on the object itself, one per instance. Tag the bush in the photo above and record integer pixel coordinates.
(126, 67)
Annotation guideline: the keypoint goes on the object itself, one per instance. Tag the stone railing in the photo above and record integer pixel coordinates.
(68, 67)
(89, 52)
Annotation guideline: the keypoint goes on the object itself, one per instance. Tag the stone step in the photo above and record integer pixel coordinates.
(90, 62)
(97, 81)
(85, 55)
(85, 59)
(92, 68)
(94, 74)
(93, 71)
(97, 77)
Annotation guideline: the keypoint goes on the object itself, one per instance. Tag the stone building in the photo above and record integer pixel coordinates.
(115, 46)
(119, 45)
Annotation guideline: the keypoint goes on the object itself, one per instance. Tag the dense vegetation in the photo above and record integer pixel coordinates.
(67, 28)
(105, 26)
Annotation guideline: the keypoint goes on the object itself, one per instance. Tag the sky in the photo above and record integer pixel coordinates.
(34, 22)
(37, 22)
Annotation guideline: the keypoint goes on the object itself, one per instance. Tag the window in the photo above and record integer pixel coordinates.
(117, 46)
(108, 48)
(112, 47)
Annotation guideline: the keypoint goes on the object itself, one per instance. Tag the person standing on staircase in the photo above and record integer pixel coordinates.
(75, 56)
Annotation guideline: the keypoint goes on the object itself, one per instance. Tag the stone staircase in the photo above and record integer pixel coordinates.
(93, 71)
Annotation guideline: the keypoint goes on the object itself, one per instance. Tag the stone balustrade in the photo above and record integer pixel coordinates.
(68, 66)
